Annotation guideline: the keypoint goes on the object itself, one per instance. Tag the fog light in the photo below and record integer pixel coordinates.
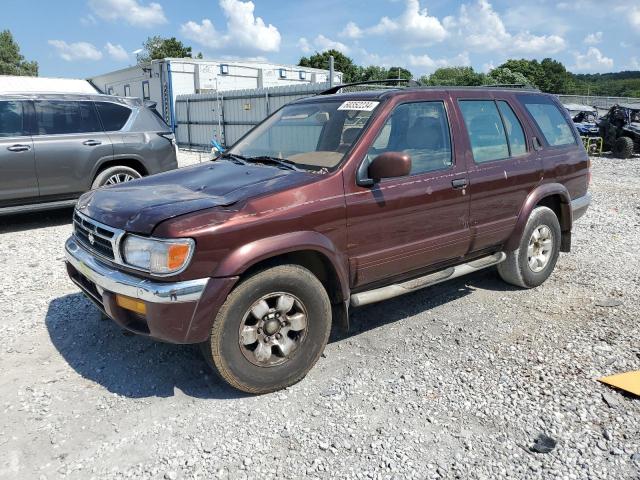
(132, 304)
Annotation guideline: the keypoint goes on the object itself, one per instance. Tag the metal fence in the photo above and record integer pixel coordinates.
(602, 103)
(227, 116)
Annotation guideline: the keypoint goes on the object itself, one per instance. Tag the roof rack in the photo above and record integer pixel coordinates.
(337, 88)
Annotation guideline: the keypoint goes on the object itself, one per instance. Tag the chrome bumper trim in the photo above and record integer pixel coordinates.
(579, 205)
(112, 280)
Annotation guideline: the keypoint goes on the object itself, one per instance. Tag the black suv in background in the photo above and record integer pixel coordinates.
(54, 147)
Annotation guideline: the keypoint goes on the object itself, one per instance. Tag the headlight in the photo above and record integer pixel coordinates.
(157, 256)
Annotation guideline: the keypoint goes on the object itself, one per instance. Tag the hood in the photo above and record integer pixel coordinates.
(138, 206)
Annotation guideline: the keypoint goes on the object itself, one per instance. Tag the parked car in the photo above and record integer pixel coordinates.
(620, 129)
(334, 201)
(585, 118)
(54, 147)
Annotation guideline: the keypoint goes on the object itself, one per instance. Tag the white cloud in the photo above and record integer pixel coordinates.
(131, 11)
(75, 51)
(592, 61)
(323, 43)
(116, 52)
(351, 30)
(245, 31)
(634, 64)
(593, 38)
(412, 28)
(479, 27)
(88, 20)
(634, 18)
(304, 45)
(429, 64)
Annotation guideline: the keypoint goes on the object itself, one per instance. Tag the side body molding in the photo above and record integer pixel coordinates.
(538, 194)
(244, 257)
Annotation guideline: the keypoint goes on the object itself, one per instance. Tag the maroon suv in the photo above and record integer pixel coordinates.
(333, 201)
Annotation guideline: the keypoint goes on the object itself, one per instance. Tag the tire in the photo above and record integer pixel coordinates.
(517, 269)
(239, 360)
(623, 147)
(108, 176)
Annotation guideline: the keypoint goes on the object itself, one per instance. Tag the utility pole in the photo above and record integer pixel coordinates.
(331, 68)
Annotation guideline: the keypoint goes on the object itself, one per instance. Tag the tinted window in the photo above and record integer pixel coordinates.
(515, 135)
(552, 124)
(60, 117)
(486, 132)
(11, 119)
(420, 129)
(113, 116)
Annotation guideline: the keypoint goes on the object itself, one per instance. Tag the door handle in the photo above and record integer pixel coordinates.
(459, 183)
(91, 143)
(19, 148)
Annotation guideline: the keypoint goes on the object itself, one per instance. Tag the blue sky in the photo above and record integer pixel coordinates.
(81, 38)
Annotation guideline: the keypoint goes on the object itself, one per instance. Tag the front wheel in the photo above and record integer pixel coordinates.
(623, 147)
(271, 330)
(534, 260)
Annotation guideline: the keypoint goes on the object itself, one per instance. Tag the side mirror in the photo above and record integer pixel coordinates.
(390, 165)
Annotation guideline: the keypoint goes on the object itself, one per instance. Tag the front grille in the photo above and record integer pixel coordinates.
(96, 237)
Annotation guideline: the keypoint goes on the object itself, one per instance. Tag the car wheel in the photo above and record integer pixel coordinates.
(623, 147)
(534, 260)
(271, 330)
(115, 175)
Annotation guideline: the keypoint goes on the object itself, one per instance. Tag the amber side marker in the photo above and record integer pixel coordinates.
(132, 304)
(629, 381)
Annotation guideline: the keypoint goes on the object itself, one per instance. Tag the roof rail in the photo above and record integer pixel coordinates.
(337, 88)
(510, 85)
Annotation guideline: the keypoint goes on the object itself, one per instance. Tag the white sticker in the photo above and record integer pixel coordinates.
(359, 105)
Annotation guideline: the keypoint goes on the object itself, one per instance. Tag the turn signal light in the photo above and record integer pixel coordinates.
(133, 304)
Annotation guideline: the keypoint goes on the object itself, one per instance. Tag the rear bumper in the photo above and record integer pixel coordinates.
(177, 312)
(580, 205)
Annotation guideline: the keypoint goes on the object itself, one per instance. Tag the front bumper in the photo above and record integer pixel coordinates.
(580, 205)
(178, 312)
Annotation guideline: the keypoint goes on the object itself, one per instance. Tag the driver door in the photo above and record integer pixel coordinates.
(400, 225)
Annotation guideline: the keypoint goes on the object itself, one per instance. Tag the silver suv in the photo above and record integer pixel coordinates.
(54, 147)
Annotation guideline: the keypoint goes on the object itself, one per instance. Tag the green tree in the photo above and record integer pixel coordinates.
(342, 63)
(156, 48)
(399, 72)
(548, 75)
(454, 76)
(11, 61)
(505, 76)
(372, 72)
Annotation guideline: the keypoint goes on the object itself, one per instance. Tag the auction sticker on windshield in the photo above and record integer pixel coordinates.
(359, 105)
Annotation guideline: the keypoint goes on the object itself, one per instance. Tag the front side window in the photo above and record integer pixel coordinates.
(550, 121)
(58, 117)
(486, 132)
(113, 116)
(11, 119)
(420, 129)
(312, 135)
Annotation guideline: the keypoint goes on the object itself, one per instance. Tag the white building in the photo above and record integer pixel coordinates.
(165, 79)
(15, 84)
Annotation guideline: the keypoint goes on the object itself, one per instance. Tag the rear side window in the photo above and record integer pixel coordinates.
(486, 132)
(61, 117)
(113, 116)
(11, 119)
(515, 135)
(420, 129)
(550, 121)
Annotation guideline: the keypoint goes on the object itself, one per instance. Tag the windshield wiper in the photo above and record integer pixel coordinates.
(278, 161)
(239, 159)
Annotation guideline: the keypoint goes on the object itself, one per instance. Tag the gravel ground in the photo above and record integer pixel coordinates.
(455, 381)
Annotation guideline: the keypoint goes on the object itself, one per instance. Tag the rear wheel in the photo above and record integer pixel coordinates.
(534, 260)
(114, 176)
(623, 147)
(271, 330)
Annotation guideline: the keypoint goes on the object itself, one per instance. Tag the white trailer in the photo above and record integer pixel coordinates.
(163, 80)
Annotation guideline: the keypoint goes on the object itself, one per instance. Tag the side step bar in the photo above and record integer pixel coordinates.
(390, 291)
